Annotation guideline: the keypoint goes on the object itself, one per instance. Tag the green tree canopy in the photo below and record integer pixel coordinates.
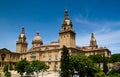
(21, 65)
(105, 67)
(5, 69)
(64, 62)
(38, 66)
(6, 72)
(29, 69)
(96, 58)
(115, 57)
(83, 66)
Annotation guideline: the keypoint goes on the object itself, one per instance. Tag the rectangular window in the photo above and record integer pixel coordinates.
(43, 58)
(49, 63)
(56, 63)
(56, 57)
(50, 57)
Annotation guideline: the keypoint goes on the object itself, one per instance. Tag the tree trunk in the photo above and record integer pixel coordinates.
(37, 74)
(42, 74)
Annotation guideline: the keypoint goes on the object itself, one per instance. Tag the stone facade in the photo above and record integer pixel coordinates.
(50, 53)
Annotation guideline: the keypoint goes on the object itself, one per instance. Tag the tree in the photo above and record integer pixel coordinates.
(38, 66)
(105, 67)
(64, 63)
(29, 70)
(100, 74)
(7, 74)
(115, 57)
(5, 70)
(82, 65)
(21, 65)
(96, 59)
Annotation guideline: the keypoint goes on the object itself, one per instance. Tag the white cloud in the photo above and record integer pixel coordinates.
(105, 34)
(110, 40)
(84, 21)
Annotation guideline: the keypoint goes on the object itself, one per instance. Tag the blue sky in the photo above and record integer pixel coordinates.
(46, 16)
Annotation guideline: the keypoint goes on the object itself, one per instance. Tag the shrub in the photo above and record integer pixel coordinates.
(7, 74)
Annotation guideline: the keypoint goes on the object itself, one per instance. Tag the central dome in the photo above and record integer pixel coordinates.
(37, 39)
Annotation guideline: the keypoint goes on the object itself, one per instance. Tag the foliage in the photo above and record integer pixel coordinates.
(38, 66)
(100, 74)
(7, 74)
(21, 65)
(83, 66)
(64, 62)
(115, 57)
(114, 75)
(108, 59)
(113, 71)
(105, 67)
(96, 58)
(29, 70)
(5, 69)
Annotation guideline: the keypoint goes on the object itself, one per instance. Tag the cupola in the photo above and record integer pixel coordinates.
(93, 42)
(37, 41)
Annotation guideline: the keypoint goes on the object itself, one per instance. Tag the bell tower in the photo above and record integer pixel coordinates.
(21, 44)
(67, 34)
(93, 42)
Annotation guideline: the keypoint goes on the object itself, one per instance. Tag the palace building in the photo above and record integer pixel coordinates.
(50, 53)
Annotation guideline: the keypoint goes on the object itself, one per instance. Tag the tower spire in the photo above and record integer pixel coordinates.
(23, 31)
(92, 35)
(93, 42)
(67, 32)
(66, 14)
(21, 44)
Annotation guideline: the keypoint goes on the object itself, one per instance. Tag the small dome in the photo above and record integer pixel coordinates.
(93, 39)
(37, 39)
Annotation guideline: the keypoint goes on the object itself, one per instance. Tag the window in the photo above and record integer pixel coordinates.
(46, 48)
(49, 63)
(56, 63)
(55, 47)
(64, 28)
(33, 56)
(50, 57)
(43, 58)
(56, 57)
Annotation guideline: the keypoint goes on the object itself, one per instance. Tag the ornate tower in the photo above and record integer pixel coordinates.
(21, 45)
(93, 42)
(67, 34)
(37, 41)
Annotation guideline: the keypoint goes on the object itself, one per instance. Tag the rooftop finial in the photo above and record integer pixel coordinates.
(92, 35)
(37, 33)
(23, 30)
(66, 14)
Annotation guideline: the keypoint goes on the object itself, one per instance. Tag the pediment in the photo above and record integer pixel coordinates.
(5, 50)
